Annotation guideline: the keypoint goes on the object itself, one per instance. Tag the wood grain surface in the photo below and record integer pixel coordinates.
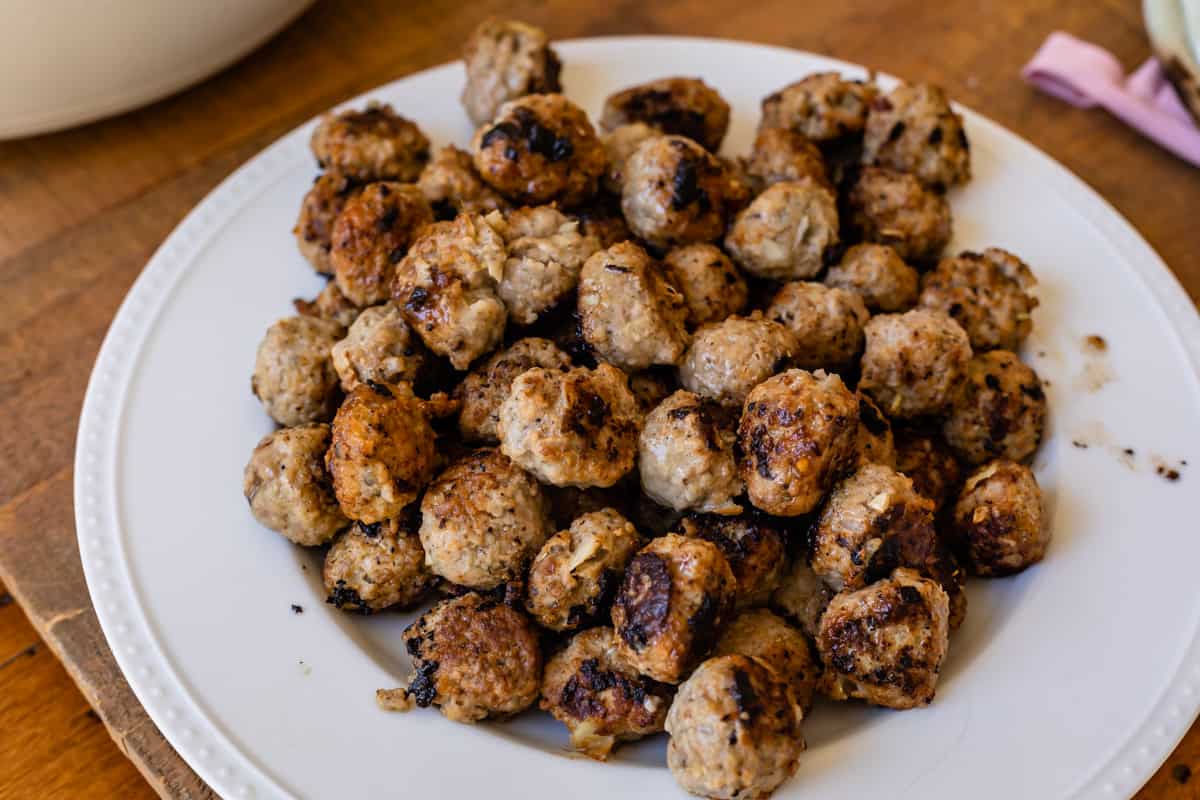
(81, 211)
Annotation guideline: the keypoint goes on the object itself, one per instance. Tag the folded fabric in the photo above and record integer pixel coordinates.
(1086, 76)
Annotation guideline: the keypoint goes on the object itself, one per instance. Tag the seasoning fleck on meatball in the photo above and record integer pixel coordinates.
(318, 211)
(540, 148)
(754, 547)
(885, 643)
(893, 208)
(802, 596)
(452, 186)
(675, 192)
(600, 697)
(473, 658)
(376, 144)
(446, 287)
(574, 428)
(486, 386)
(727, 359)
(506, 59)
(373, 567)
(987, 293)
(329, 304)
(602, 219)
(619, 144)
(483, 519)
(761, 634)
(826, 322)
(711, 285)
(876, 443)
(685, 455)
(288, 489)
(735, 730)
(780, 155)
(629, 312)
(379, 348)
(999, 411)
(798, 435)
(997, 522)
(821, 106)
(928, 461)
(914, 130)
(914, 362)
(878, 275)
(294, 376)
(371, 235)
(575, 575)
(682, 106)
(785, 232)
(676, 596)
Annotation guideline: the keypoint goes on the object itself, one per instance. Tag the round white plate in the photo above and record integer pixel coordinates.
(1072, 680)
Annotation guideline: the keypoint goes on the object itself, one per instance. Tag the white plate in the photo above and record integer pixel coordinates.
(1072, 680)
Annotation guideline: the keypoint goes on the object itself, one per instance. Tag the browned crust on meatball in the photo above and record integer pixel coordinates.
(686, 455)
(779, 155)
(602, 218)
(318, 211)
(506, 59)
(987, 293)
(914, 362)
(329, 304)
(375, 144)
(682, 106)
(925, 458)
(373, 567)
(372, 234)
(893, 208)
(293, 377)
(754, 546)
(821, 106)
(486, 386)
(998, 523)
(787, 232)
(878, 275)
(999, 410)
(380, 348)
(675, 192)
(876, 443)
(826, 322)
(288, 488)
(711, 285)
(452, 186)
(727, 359)
(914, 130)
(761, 634)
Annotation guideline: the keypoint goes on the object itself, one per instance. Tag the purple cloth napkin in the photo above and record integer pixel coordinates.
(1085, 75)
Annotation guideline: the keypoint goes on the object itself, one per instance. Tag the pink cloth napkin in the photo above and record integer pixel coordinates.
(1085, 75)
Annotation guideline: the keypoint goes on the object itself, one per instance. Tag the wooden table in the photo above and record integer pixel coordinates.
(81, 211)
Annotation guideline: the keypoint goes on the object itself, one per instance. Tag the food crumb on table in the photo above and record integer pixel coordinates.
(1182, 773)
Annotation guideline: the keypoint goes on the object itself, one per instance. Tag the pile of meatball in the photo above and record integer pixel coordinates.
(675, 441)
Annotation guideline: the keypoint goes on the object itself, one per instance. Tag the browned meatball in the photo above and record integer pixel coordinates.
(742, 185)
(329, 304)
(933, 468)
(798, 434)
(754, 547)
(685, 455)
(447, 288)
(652, 386)
(997, 522)
(802, 596)
(761, 634)
(376, 144)
(293, 375)
(786, 232)
(987, 293)
(629, 312)
(727, 359)
(676, 596)
(826, 322)
(885, 643)
(504, 60)
(576, 572)
(999, 410)
(780, 155)
(683, 106)
(619, 144)
(914, 362)
(574, 428)
(568, 503)
(711, 285)
(379, 348)
(914, 130)
(878, 275)
(538, 149)
(876, 443)
(893, 208)
(486, 386)
(602, 219)
(318, 211)
(675, 192)
(452, 186)
(546, 252)
(288, 489)
(371, 235)
(821, 106)
(373, 567)
(599, 695)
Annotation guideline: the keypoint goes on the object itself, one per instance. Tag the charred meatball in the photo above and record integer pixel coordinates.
(318, 211)
(821, 106)
(373, 567)
(762, 635)
(546, 252)
(785, 232)
(893, 208)
(685, 455)
(876, 443)
(294, 376)
(329, 304)
(914, 130)
(288, 489)
(727, 359)
(676, 596)
(914, 362)
(619, 144)
(999, 411)
(379, 348)
(506, 59)
(754, 547)
(711, 285)
(575, 574)
(802, 596)
(376, 144)
(997, 522)
(885, 643)
(798, 435)
(928, 461)
(675, 192)
(486, 386)
(987, 293)
(683, 106)
(735, 730)
(877, 274)
(371, 235)
(827, 323)
(452, 186)
(781, 155)
(573, 428)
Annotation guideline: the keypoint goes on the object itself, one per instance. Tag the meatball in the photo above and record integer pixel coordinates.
(685, 455)
(999, 411)
(483, 520)
(754, 547)
(821, 106)
(619, 144)
(329, 304)
(987, 293)
(474, 658)
(877, 274)
(798, 435)
(781, 155)
(711, 285)
(573, 428)
(675, 192)
(373, 567)
(568, 503)
(652, 386)
(452, 186)
(540, 148)
(735, 730)
(997, 522)
(914, 130)
(600, 697)
(802, 596)
(447, 288)
(602, 219)
(933, 468)
(876, 443)
(486, 386)
(546, 252)
(914, 362)
(629, 312)
(785, 232)
(884, 644)
(826, 322)
(727, 359)
(318, 211)
(294, 378)
(893, 208)
(676, 596)
(575, 574)
(379, 348)
(288, 489)
(506, 59)
(382, 453)
(760, 634)
(371, 235)
(682, 106)
(376, 144)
